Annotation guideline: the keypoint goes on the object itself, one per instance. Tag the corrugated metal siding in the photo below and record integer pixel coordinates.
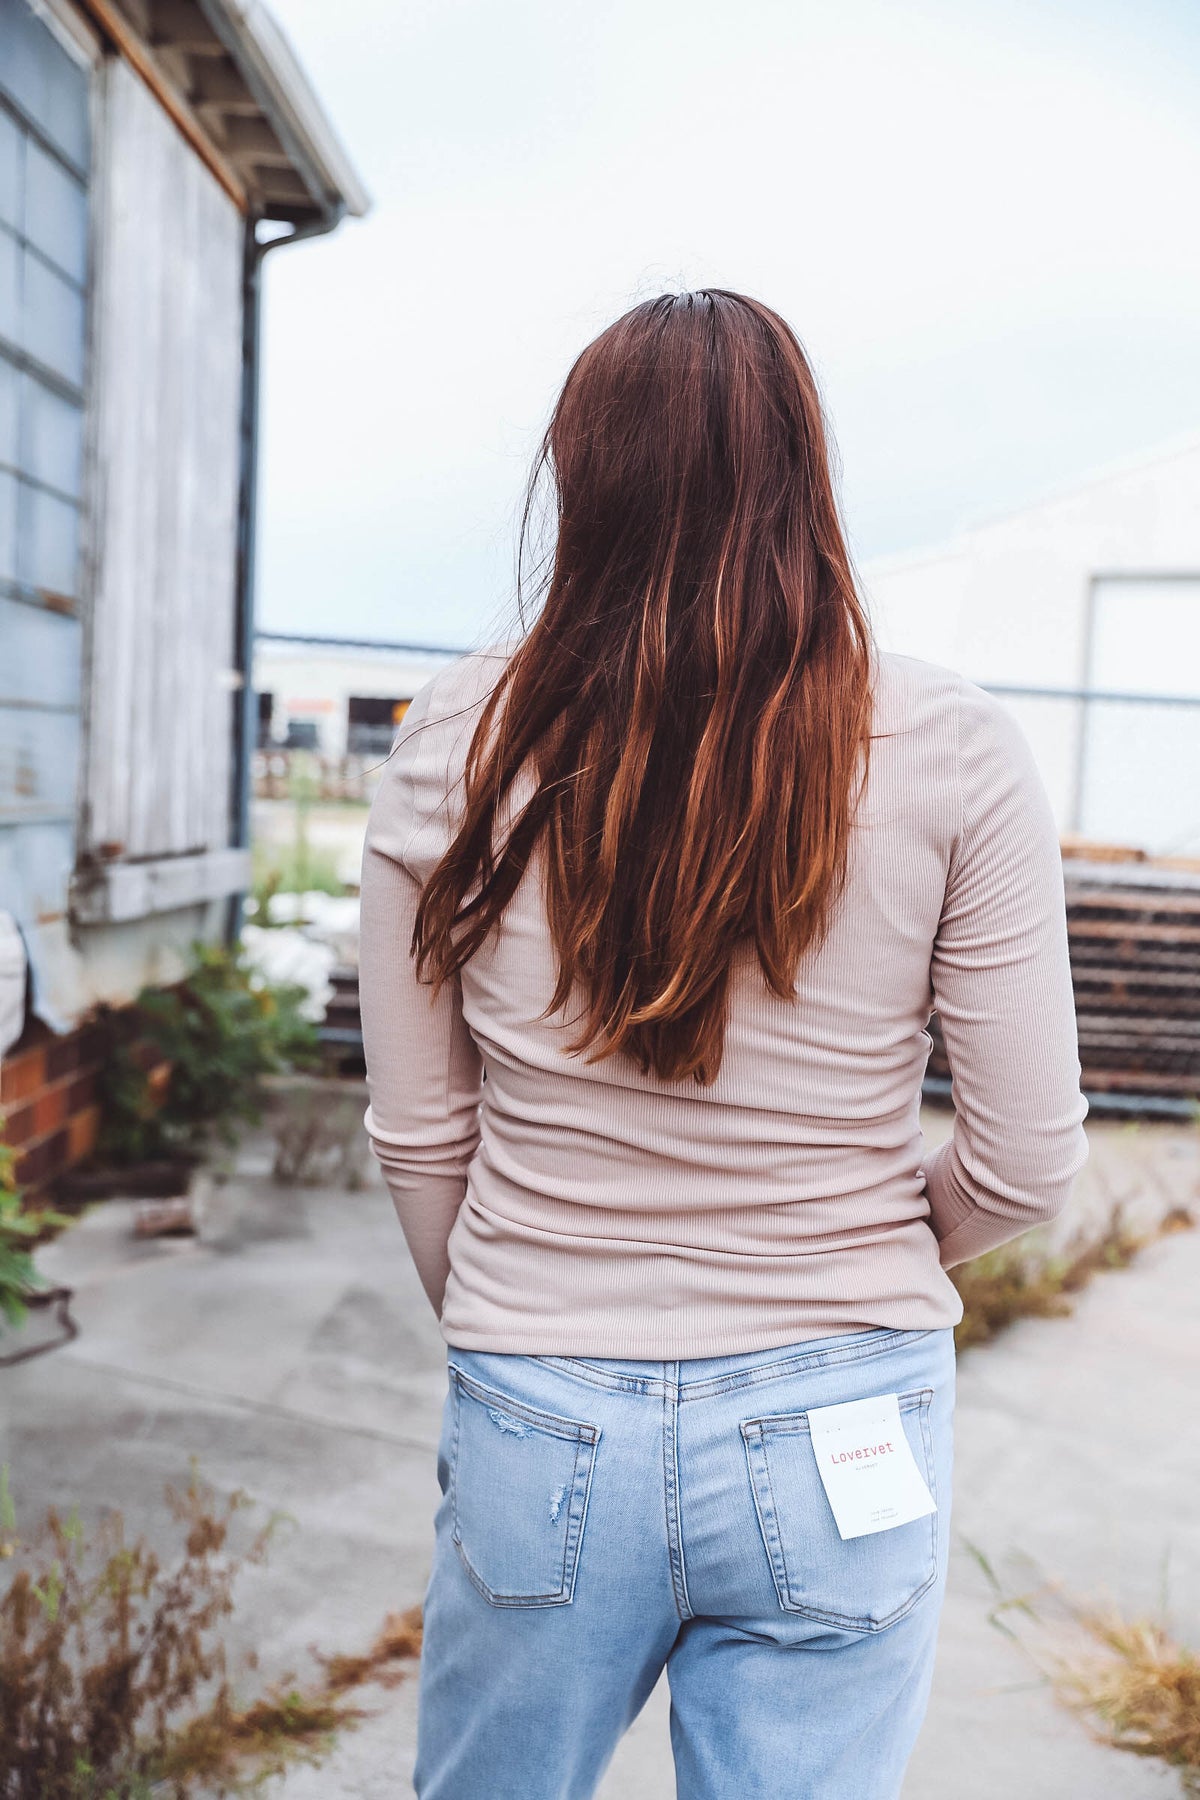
(167, 374)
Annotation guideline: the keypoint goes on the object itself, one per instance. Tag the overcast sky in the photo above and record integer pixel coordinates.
(979, 217)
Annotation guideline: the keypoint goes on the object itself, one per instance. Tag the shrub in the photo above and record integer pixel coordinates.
(281, 871)
(101, 1647)
(114, 1679)
(295, 867)
(218, 1033)
(20, 1228)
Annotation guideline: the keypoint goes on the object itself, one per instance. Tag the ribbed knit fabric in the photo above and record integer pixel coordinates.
(567, 1208)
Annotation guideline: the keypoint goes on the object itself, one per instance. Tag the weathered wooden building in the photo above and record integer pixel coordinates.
(152, 152)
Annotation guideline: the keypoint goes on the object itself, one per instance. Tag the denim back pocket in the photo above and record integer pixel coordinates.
(862, 1583)
(520, 1480)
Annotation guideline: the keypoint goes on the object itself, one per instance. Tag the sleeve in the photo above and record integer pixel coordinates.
(423, 1067)
(1001, 978)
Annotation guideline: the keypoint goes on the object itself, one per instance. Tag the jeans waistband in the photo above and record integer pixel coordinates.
(697, 1376)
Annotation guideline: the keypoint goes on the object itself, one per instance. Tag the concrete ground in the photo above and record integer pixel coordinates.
(292, 1352)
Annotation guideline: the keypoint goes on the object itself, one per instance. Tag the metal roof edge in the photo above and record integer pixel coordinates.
(274, 75)
(956, 543)
(1134, 462)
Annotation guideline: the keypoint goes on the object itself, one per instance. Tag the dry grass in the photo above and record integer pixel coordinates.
(398, 1643)
(228, 1750)
(1011, 1283)
(1139, 1690)
(1133, 1685)
(113, 1669)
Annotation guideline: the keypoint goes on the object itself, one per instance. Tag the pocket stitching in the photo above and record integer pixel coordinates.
(782, 1423)
(554, 1424)
(580, 1433)
(804, 1364)
(778, 1575)
(920, 1400)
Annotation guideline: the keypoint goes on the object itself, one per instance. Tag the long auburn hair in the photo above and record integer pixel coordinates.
(693, 701)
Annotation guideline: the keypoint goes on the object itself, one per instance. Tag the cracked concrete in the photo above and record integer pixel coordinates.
(292, 1352)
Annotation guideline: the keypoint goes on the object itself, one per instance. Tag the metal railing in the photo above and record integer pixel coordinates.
(1122, 767)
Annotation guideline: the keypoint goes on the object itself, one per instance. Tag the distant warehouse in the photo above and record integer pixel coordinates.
(339, 697)
(1083, 612)
(151, 153)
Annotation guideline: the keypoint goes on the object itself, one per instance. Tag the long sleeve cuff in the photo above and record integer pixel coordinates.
(426, 1203)
(968, 1222)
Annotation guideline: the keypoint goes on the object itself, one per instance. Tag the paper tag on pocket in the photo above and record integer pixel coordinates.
(867, 1466)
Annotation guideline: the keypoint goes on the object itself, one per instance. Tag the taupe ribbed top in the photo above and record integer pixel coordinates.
(565, 1207)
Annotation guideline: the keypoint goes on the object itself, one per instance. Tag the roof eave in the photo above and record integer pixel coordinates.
(277, 82)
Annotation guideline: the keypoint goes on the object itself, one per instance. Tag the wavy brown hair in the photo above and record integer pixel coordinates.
(692, 705)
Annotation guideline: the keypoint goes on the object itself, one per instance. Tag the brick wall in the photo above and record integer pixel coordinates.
(48, 1095)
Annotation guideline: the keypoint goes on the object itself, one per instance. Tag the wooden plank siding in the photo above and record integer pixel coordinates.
(167, 372)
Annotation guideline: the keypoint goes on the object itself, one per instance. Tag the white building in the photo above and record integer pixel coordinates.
(337, 696)
(1091, 594)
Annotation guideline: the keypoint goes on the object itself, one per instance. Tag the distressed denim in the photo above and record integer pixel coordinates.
(602, 1519)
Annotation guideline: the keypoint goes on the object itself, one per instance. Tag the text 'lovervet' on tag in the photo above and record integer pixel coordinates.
(867, 1466)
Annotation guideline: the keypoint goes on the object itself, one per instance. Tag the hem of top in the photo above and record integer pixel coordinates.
(681, 1349)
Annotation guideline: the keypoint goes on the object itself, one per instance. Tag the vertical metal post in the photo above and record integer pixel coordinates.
(243, 732)
(245, 700)
(1087, 681)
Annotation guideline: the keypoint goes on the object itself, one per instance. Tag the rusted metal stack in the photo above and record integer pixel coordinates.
(1135, 956)
(1134, 930)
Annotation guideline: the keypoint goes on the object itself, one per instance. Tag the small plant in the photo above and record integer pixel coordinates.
(215, 1036)
(114, 1677)
(295, 867)
(20, 1230)
(302, 786)
(1012, 1283)
(1141, 1688)
(1131, 1681)
(102, 1648)
(277, 871)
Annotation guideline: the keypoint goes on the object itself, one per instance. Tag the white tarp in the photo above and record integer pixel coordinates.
(13, 975)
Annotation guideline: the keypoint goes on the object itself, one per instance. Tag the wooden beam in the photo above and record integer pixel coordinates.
(122, 36)
(216, 82)
(181, 24)
(254, 137)
(112, 893)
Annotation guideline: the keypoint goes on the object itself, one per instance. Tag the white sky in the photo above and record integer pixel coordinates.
(979, 217)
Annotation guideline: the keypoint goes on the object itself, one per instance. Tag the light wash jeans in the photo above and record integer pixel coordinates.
(601, 1519)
